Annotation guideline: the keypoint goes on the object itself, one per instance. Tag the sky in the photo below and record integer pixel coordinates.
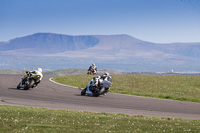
(158, 21)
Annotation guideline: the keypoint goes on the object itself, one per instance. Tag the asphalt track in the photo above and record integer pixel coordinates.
(55, 96)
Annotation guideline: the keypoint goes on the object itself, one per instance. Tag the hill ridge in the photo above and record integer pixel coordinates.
(121, 52)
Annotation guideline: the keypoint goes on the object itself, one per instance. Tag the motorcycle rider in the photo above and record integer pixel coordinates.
(94, 68)
(99, 80)
(106, 76)
(37, 73)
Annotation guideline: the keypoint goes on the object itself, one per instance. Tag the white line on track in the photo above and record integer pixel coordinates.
(50, 79)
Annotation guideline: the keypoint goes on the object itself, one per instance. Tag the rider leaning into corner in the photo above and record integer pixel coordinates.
(93, 67)
(38, 73)
(100, 80)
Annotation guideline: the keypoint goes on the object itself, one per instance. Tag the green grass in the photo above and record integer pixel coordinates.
(31, 120)
(175, 87)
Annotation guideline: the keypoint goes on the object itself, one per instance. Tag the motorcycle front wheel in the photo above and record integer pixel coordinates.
(83, 92)
(18, 86)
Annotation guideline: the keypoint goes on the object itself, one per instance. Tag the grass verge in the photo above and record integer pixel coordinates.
(175, 87)
(29, 119)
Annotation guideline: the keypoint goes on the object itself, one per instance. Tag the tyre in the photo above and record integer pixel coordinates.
(29, 85)
(18, 87)
(83, 92)
(95, 94)
(99, 92)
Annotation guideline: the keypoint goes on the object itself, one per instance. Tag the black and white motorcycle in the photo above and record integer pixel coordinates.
(97, 87)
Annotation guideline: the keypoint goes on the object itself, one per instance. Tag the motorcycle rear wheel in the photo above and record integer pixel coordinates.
(28, 86)
(96, 94)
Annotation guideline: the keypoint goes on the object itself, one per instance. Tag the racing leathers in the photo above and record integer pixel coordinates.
(99, 81)
(36, 73)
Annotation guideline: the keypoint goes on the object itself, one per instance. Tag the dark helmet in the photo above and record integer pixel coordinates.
(106, 74)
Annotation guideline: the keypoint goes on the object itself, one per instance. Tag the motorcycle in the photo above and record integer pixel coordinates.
(91, 71)
(29, 80)
(96, 88)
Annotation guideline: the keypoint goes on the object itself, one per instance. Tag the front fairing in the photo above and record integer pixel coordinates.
(106, 84)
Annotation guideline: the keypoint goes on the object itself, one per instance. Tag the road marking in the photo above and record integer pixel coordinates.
(50, 79)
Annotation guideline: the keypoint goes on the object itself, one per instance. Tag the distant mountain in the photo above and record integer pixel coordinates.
(42, 43)
(113, 46)
(114, 52)
(125, 46)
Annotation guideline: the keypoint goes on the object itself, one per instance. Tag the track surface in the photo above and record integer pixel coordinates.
(54, 96)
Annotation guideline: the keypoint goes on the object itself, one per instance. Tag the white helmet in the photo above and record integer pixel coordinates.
(40, 69)
(93, 64)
